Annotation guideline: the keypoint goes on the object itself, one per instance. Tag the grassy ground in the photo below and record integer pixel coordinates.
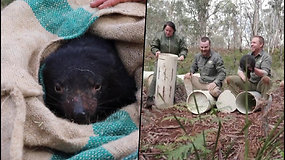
(216, 135)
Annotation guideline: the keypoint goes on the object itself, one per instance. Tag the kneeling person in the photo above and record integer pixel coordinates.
(259, 79)
(210, 65)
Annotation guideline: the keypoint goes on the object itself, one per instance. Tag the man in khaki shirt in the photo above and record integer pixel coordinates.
(210, 65)
(259, 79)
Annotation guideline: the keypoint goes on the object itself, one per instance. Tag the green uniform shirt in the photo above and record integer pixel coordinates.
(262, 61)
(211, 68)
(174, 44)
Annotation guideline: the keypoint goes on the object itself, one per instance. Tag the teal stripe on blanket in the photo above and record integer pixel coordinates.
(132, 156)
(57, 17)
(119, 123)
(116, 126)
(98, 153)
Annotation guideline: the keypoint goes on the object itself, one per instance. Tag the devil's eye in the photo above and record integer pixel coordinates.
(58, 88)
(97, 86)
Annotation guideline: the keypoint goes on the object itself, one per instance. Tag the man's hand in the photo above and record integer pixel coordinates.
(242, 75)
(211, 86)
(188, 75)
(100, 4)
(157, 54)
(260, 72)
(181, 58)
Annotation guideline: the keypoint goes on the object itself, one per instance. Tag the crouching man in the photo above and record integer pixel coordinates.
(260, 76)
(210, 65)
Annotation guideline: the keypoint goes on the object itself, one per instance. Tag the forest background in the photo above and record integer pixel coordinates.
(230, 24)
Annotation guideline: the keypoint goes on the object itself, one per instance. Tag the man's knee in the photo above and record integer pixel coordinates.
(229, 79)
(266, 80)
(215, 92)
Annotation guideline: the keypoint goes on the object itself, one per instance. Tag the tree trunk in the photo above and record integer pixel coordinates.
(256, 18)
(240, 30)
(201, 6)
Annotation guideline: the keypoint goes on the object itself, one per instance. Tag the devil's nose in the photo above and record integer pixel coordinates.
(80, 115)
(78, 109)
(81, 118)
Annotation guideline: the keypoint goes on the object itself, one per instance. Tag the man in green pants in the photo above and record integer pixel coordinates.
(166, 41)
(210, 65)
(259, 79)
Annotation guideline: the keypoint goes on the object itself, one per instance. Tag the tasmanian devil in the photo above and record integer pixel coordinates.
(247, 62)
(85, 80)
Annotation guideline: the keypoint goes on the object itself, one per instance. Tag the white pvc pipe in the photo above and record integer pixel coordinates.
(253, 98)
(165, 80)
(147, 76)
(226, 102)
(204, 99)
